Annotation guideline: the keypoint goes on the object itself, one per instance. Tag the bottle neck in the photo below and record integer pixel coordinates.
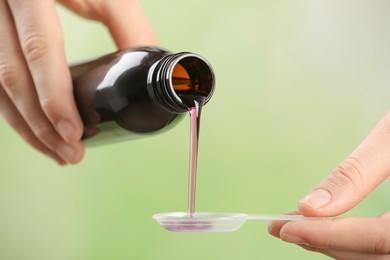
(178, 80)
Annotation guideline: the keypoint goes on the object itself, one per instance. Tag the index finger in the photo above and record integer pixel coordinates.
(41, 40)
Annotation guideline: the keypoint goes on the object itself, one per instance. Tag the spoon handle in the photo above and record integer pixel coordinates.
(279, 217)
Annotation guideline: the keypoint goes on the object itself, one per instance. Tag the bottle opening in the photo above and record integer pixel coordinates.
(192, 78)
(183, 80)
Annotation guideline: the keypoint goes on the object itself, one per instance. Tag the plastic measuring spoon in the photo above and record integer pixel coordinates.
(213, 221)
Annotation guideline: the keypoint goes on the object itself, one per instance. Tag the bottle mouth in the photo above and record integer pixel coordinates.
(191, 75)
(183, 78)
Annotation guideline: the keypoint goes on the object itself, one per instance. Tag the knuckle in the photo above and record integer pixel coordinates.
(348, 173)
(43, 131)
(35, 48)
(324, 241)
(48, 104)
(8, 76)
(383, 244)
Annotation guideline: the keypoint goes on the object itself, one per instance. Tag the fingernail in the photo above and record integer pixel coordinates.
(67, 131)
(68, 153)
(292, 239)
(271, 229)
(317, 198)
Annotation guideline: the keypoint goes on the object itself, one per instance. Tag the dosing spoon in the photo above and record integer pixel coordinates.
(214, 221)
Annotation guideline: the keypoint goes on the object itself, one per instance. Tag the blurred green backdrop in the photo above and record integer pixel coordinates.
(299, 85)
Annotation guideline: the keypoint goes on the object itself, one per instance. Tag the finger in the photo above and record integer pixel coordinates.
(125, 19)
(274, 227)
(354, 178)
(41, 41)
(129, 25)
(16, 80)
(14, 119)
(367, 235)
(346, 255)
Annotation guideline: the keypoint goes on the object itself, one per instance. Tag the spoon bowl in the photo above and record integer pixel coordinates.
(213, 221)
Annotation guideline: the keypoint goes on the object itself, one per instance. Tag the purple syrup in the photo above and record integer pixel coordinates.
(195, 104)
(193, 97)
(190, 225)
(194, 142)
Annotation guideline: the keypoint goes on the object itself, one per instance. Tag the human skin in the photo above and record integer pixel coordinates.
(351, 181)
(33, 101)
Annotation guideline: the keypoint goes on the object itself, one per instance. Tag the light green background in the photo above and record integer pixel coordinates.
(299, 85)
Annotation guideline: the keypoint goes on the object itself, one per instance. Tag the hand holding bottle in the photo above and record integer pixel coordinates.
(36, 93)
(351, 182)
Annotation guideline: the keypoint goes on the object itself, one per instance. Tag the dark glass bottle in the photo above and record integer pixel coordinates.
(136, 92)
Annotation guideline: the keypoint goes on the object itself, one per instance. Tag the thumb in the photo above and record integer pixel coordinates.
(128, 24)
(354, 178)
